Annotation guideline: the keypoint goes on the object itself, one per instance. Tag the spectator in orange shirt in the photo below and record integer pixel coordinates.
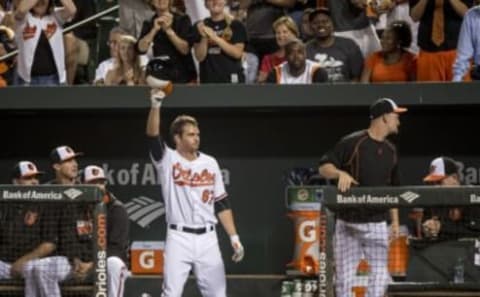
(285, 31)
(394, 62)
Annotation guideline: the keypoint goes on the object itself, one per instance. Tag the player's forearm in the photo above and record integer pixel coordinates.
(394, 216)
(153, 122)
(41, 251)
(329, 171)
(226, 219)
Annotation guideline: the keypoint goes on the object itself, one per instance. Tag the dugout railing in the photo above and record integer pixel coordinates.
(57, 197)
(403, 197)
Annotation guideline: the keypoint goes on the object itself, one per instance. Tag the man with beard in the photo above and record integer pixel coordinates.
(297, 69)
(339, 56)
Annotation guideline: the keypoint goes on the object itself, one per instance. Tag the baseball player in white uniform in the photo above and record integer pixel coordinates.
(195, 196)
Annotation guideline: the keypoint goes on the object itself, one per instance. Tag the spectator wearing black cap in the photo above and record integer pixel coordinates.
(340, 57)
(169, 33)
(27, 233)
(65, 166)
(454, 222)
(365, 158)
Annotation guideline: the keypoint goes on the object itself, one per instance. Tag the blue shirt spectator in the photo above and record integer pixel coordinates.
(468, 44)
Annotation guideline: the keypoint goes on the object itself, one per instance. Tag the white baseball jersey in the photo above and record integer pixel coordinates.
(190, 188)
(27, 35)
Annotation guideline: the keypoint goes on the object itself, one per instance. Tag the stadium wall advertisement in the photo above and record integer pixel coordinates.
(257, 134)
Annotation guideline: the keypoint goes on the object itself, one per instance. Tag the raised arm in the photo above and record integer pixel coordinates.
(459, 7)
(153, 120)
(200, 48)
(417, 11)
(147, 39)
(23, 7)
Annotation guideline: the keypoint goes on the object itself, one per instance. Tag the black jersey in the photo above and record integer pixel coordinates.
(23, 227)
(370, 162)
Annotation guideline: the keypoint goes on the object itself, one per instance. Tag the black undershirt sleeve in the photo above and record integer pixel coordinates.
(221, 205)
(157, 147)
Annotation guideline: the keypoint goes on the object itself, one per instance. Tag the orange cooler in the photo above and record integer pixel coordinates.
(147, 257)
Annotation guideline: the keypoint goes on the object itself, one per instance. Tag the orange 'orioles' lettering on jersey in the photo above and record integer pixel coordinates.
(185, 177)
(50, 29)
(207, 196)
(29, 31)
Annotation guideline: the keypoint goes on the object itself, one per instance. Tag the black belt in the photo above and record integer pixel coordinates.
(191, 230)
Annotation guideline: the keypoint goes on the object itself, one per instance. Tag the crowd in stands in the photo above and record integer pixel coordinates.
(242, 41)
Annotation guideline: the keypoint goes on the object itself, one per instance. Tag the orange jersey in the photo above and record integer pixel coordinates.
(403, 70)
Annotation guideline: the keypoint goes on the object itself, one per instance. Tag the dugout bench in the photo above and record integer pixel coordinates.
(14, 288)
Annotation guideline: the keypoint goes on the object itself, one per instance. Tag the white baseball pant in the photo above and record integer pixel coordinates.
(184, 251)
(46, 274)
(351, 242)
(30, 289)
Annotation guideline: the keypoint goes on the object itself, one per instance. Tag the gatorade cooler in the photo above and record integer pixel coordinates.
(304, 210)
(147, 257)
(398, 254)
